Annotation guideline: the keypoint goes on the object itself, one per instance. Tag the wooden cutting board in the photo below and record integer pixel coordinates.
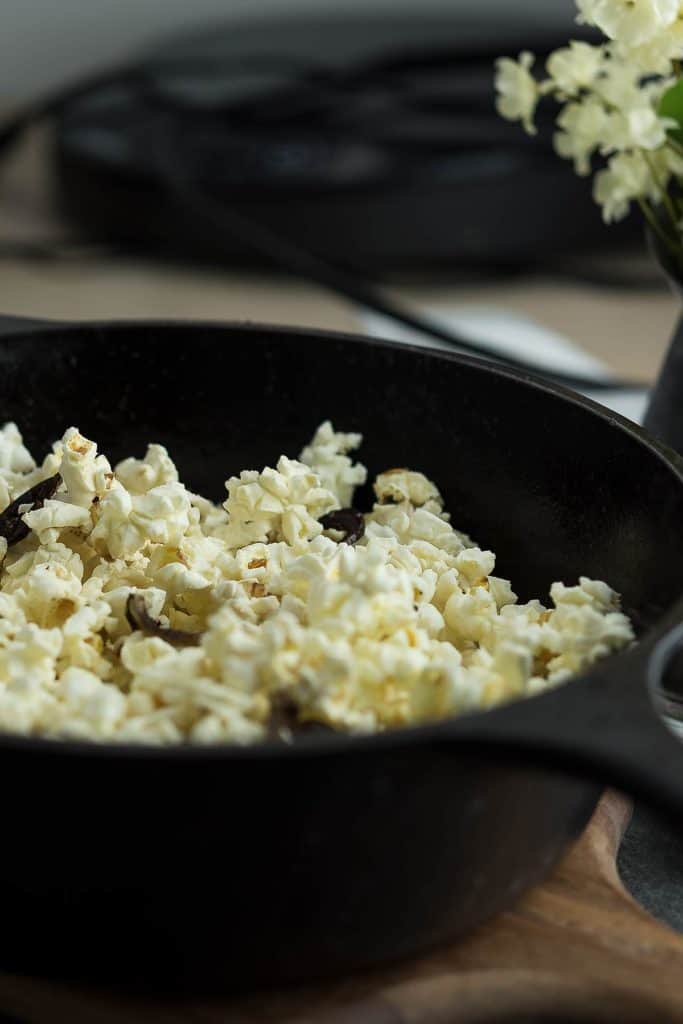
(576, 949)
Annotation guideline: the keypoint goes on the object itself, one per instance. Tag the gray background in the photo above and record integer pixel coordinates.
(43, 42)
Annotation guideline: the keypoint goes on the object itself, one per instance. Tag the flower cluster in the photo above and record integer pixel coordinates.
(620, 100)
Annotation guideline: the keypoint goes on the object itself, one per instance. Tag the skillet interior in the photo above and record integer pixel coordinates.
(554, 491)
(244, 873)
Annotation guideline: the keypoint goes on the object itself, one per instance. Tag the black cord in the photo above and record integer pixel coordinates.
(209, 217)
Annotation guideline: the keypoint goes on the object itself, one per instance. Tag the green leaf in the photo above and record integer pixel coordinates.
(671, 105)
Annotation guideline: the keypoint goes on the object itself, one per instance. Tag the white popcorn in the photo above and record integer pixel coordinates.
(99, 704)
(326, 455)
(15, 458)
(399, 485)
(277, 504)
(85, 473)
(501, 592)
(47, 522)
(128, 523)
(470, 616)
(409, 625)
(28, 661)
(141, 475)
(589, 592)
(116, 624)
(475, 565)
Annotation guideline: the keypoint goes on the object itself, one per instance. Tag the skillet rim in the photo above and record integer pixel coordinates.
(335, 743)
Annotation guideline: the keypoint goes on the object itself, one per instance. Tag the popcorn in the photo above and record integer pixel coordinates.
(409, 625)
(28, 662)
(129, 523)
(327, 456)
(140, 476)
(47, 522)
(100, 705)
(15, 458)
(276, 504)
(403, 485)
(84, 472)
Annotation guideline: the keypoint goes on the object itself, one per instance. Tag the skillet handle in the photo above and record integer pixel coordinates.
(605, 725)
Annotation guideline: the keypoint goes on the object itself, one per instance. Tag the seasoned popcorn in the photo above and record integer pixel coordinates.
(259, 622)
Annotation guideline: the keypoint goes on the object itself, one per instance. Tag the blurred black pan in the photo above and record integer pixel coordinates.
(226, 866)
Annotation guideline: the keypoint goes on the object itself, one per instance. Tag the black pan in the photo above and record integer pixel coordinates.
(226, 866)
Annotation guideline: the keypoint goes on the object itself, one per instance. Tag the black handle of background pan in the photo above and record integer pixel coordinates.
(606, 724)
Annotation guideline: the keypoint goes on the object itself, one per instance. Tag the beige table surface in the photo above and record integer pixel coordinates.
(629, 329)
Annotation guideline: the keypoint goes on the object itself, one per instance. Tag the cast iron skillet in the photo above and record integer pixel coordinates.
(242, 867)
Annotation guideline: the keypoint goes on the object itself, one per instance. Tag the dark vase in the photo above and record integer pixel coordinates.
(664, 417)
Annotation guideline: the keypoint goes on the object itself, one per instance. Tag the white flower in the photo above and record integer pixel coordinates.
(583, 127)
(575, 67)
(632, 22)
(640, 128)
(619, 83)
(627, 177)
(657, 54)
(610, 96)
(518, 90)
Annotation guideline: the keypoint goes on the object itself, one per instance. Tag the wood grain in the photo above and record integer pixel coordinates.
(576, 949)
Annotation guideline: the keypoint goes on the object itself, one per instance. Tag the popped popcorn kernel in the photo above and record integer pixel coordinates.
(256, 623)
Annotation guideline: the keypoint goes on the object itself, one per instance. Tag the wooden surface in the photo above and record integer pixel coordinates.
(575, 949)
